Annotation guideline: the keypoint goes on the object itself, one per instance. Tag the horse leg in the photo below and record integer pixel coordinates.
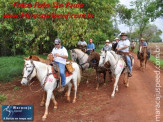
(43, 99)
(97, 74)
(49, 95)
(54, 101)
(104, 78)
(115, 85)
(126, 80)
(75, 90)
(69, 91)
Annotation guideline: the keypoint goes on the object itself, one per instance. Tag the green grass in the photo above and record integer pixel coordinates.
(99, 48)
(11, 67)
(153, 60)
(2, 97)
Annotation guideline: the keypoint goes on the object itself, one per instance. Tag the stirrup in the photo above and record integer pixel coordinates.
(61, 89)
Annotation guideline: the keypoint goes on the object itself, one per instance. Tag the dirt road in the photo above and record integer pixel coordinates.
(134, 104)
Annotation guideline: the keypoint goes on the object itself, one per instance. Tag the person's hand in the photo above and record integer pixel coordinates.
(118, 49)
(57, 55)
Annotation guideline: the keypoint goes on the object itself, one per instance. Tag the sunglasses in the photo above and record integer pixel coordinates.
(56, 44)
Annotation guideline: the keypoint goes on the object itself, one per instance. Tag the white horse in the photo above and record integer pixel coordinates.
(48, 82)
(117, 65)
(81, 56)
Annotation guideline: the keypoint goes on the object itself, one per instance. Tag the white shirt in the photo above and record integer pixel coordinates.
(82, 43)
(122, 44)
(61, 51)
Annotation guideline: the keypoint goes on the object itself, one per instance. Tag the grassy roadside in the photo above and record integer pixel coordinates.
(11, 67)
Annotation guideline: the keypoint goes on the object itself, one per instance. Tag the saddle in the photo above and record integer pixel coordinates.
(123, 54)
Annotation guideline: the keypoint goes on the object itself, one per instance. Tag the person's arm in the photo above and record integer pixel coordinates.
(125, 46)
(65, 54)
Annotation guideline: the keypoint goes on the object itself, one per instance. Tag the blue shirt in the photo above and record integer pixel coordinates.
(143, 43)
(91, 46)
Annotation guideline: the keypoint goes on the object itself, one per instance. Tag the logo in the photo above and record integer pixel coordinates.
(17, 112)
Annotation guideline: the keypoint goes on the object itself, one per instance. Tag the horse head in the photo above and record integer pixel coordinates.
(29, 72)
(73, 55)
(102, 58)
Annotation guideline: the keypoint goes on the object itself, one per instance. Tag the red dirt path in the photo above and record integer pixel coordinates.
(133, 104)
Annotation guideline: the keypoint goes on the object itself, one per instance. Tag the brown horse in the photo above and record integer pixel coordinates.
(95, 56)
(143, 58)
(132, 48)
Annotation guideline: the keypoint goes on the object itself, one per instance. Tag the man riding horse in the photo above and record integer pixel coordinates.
(82, 44)
(60, 55)
(123, 49)
(143, 44)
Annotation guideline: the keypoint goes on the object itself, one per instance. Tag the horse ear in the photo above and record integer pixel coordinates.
(26, 58)
(30, 57)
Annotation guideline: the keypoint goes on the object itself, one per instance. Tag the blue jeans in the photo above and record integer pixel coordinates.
(129, 63)
(62, 73)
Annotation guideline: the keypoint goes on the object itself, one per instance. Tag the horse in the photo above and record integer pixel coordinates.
(117, 66)
(96, 56)
(77, 54)
(44, 74)
(143, 57)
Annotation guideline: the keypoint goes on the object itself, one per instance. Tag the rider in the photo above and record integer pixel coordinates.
(90, 46)
(82, 44)
(133, 44)
(107, 46)
(143, 43)
(60, 55)
(123, 48)
(115, 44)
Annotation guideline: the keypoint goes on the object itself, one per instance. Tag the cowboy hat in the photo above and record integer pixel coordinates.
(116, 39)
(107, 41)
(123, 34)
(142, 39)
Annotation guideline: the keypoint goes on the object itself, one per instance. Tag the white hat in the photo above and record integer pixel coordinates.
(107, 41)
(116, 39)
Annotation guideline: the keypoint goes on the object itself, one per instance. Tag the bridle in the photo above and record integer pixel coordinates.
(30, 72)
(79, 58)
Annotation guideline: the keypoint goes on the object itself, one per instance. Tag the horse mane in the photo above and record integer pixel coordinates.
(37, 58)
(114, 55)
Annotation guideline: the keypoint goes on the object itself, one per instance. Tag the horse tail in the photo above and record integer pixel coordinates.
(78, 75)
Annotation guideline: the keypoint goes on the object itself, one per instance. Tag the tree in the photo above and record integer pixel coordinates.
(144, 13)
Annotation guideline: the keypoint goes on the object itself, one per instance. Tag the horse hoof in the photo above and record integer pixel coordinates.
(55, 107)
(96, 88)
(68, 98)
(42, 104)
(74, 101)
(43, 119)
(112, 96)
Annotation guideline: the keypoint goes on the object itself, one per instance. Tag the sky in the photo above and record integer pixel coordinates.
(158, 22)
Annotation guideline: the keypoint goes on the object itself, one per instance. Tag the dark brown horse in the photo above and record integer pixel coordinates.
(143, 57)
(96, 56)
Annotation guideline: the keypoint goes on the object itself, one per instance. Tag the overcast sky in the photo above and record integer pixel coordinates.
(158, 22)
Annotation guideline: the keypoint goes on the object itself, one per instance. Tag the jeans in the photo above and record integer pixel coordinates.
(129, 63)
(62, 72)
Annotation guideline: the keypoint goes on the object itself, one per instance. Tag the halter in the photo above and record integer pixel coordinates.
(80, 59)
(36, 73)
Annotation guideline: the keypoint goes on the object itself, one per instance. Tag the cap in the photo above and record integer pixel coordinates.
(57, 41)
(90, 40)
